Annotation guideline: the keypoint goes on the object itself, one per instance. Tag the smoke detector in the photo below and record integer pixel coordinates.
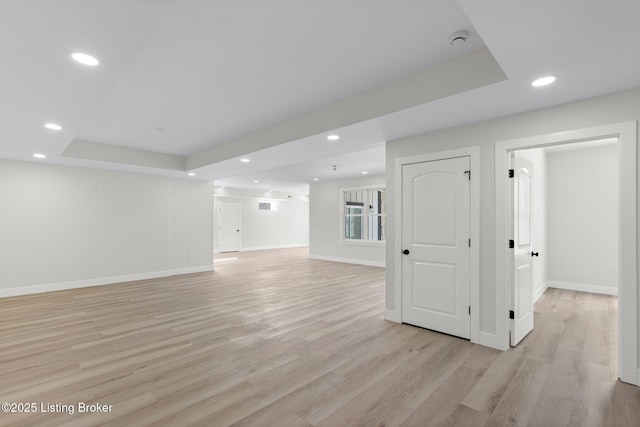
(458, 38)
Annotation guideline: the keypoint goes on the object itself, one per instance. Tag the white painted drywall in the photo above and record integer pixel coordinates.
(286, 227)
(583, 219)
(608, 109)
(539, 208)
(325, 219)
(64, 227)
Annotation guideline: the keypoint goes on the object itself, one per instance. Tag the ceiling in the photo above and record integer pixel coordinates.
(196, 85)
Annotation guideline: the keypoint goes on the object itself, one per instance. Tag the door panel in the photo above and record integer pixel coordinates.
(441, 299)
(522, 298)
(524, 279)
(440, 184)
(229, 227)
(435, 231)
(524, 208)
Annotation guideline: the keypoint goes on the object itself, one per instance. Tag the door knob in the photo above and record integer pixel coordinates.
(406, 252)
(534, 253)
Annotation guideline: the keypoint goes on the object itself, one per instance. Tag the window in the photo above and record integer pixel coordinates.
(363, 212)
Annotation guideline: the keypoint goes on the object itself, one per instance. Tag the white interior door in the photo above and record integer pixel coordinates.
(435, 239)
(522, 301)
(228, 227)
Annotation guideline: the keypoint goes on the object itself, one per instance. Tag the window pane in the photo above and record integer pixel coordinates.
(353, 227)
(353, 208)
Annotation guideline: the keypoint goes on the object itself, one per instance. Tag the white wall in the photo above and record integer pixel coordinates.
(614, 108)
(64, 227)
(286, 227)
(539, 209)
(325, 219)
(583, 219)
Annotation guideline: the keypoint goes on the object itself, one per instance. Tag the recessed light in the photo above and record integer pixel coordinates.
(52, 126)
(316, 179)
(85, 59)
(39, 156)
(256, 181)
(245, 160)
(364, 172)
(191, 174)
(333, 137)
(543, 81)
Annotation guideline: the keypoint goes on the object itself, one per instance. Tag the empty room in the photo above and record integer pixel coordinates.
(291, 213)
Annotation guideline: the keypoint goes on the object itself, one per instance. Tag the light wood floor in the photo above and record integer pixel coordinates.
(274, 339)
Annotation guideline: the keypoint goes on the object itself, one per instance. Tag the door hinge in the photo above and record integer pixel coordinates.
(469, 173)
(469, 242)
(469, 310)
(512, 244)
(512, 315)
(511, 173)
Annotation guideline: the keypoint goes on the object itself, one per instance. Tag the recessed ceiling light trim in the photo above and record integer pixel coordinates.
(85, 59)
(245, 160)
(191, 174)
(39, 156)
(543, 81)
(333, 137)
(364, 172)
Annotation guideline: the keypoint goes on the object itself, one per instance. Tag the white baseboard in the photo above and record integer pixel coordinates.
(583, 287)
(61, 286)
(349, 260)
(265, 248)
(537, 294)
(392, 316)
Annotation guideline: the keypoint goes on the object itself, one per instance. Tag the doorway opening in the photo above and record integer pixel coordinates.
(571, 266)
(565, 229)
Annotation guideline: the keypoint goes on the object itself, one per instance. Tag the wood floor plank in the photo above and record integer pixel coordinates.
(519, 400)
(490, 388)
(440, 406)
(272, 338)
(465, 416)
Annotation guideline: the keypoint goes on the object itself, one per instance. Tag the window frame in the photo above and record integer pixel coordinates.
(365, 215)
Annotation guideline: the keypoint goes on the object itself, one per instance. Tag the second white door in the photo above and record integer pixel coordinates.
(435, 239)
(228, 227)
(522, 296)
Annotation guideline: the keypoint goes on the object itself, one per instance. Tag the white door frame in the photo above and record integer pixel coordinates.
(627, 233)
(474, 229)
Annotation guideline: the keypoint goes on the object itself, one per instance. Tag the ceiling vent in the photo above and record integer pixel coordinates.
(458, 38)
